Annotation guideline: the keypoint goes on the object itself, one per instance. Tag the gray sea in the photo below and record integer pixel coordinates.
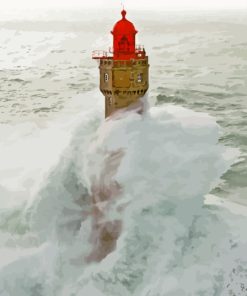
(184, 173)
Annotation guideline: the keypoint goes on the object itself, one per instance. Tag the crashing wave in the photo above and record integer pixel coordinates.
(143, 177)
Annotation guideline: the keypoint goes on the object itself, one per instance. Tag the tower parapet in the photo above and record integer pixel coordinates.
(123, 69)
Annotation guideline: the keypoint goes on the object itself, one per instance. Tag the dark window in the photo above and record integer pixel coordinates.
(139, 77)
(123, 44)
(106, 77)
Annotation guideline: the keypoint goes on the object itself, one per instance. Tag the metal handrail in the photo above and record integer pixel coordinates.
(99, 54)
(138, 48)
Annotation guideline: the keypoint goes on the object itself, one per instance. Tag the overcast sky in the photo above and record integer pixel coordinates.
(129, 4)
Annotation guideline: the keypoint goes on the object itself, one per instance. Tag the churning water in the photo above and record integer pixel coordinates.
(181, 173)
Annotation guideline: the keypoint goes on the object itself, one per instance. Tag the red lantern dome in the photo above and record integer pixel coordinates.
(123, 39)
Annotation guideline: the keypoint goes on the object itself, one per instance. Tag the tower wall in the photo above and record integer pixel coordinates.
(123, 82)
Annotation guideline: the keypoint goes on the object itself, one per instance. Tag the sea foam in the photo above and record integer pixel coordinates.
(171, 243)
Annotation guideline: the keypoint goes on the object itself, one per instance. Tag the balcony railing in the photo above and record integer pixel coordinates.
(101, 54)
(124, 63)
(138, 48)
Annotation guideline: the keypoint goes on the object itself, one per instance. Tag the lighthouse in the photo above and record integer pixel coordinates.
(123, 68)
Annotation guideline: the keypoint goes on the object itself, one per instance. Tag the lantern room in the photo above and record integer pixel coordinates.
(123, 39)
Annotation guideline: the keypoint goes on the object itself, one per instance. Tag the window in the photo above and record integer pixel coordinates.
(123, 44)
(139, 77)
(106, 77)
(110, 101)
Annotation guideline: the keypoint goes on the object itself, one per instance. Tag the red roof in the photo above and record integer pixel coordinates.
(123, 26)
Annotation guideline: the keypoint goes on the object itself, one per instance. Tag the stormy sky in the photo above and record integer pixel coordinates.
(131, 4)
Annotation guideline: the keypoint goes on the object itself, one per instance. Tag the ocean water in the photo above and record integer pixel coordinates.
(180, 168)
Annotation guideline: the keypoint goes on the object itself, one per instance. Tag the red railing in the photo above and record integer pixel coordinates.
(101, 54)
(139, 48)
